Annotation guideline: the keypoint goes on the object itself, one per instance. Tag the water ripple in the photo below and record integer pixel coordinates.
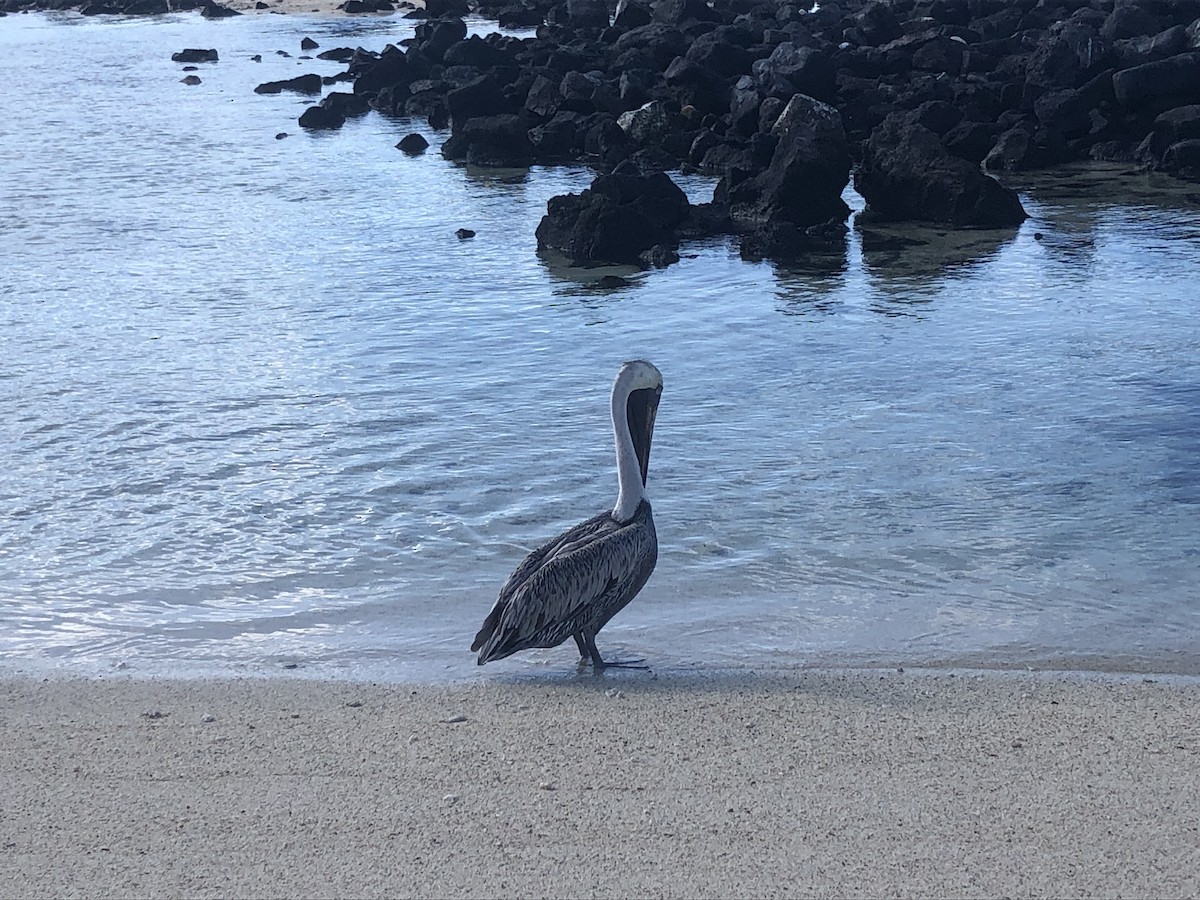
(278, 414)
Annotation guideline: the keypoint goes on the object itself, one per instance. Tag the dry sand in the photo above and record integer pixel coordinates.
(304, 7)
(856, 784)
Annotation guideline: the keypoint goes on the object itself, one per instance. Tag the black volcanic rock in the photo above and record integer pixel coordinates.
(676, 12)
(790, 70)
(618, 219)
(1151, 48)
(194, 56)
(481, 96)
(874, 25)
(544, 97)
(338, 54)
(517, 15)
(1171, 127)
(808, 170)
(427, 103)
(213, 10)
(1070, 110)
(345, 104)
(706, 84)
(1177, 77)
(1025, 146)
(649, 125)
(971, 141)
(942, 54)
(439, 8)
(907, 175)
(562, 138)
(650, 47)
(499, 141)
(577, 90)
(787, 242)
(301, 84)
(1183, 159)
(319, 117)
(588, 13)
(632, 13)
(723, 51)
(436, 36)
(696, 85)
(607, 141)
(413, 144)
(474, 51)
(373, 73)
(1130, 20)
(1070, 54)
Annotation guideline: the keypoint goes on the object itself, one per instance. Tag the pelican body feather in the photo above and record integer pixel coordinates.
(572, 585)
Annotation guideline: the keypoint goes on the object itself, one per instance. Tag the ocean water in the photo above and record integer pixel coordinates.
(261, 410)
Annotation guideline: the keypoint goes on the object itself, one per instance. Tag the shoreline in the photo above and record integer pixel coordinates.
(810, 783)
(305, 8)
(395, 668)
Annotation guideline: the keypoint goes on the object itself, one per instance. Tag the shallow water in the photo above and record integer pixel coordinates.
(261, 408)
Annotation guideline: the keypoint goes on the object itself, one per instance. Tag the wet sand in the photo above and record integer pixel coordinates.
(810, 783)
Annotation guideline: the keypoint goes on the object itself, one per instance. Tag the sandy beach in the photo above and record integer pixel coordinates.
(812, 783)
(305, 8)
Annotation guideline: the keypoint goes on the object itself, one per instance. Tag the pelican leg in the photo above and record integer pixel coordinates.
(584, 656)
(598, 663)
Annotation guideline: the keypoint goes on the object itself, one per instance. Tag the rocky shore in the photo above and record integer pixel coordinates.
(781, 101)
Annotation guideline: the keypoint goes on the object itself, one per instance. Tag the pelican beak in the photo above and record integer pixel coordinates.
(640, 411)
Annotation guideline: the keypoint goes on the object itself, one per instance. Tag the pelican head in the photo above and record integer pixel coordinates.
(636, 392)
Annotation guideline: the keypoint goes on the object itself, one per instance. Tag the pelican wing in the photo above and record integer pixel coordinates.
(580, 578)
(593, 529)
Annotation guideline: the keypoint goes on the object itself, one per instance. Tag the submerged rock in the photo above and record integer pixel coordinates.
(338, 54)
(194, 56)
(301, 84)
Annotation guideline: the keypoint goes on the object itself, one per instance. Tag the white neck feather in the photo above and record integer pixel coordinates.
(629, 473)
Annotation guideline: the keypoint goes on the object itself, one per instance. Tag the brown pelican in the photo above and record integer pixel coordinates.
(572, 585)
